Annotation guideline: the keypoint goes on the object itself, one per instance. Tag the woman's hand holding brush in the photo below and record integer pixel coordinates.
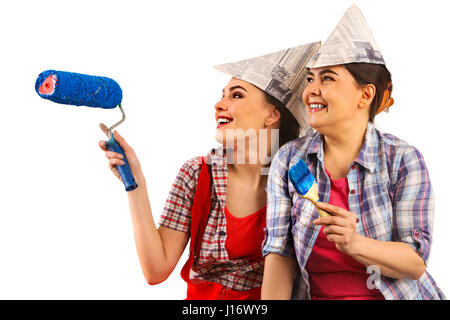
(339, 227)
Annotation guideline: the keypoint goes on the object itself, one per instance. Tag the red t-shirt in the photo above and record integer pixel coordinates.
(333, 275)
(245, 235)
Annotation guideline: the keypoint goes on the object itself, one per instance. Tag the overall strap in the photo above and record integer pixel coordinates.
(200, 208)
(200, 211)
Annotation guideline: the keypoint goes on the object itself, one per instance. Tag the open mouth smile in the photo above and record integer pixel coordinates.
(223, 121)
(315, 107)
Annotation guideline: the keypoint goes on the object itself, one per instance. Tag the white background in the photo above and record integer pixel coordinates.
(65, 229)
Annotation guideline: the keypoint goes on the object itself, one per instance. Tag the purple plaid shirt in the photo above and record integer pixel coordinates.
(390, 193)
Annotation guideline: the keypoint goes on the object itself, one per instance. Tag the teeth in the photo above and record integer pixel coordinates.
(223, 120)
(317, 106)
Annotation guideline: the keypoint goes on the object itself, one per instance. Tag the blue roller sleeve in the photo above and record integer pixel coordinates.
(78, 89)
(90, 91)
(124, 171)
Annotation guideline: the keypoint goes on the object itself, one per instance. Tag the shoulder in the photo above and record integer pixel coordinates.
(299, 147)
(402, 158)
(392, 141)
(191, 168)
(397, 149)
(291, 152)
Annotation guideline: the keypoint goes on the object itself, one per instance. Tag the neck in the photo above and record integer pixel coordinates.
(251, 156)
(342, 147)
(249, 165)
(255, 150)
(250, 173)
(346, 141)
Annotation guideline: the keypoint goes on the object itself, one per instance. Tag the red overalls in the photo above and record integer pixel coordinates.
(204, 290)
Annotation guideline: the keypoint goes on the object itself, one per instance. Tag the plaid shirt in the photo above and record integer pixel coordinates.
(390, 193)
(213, 263)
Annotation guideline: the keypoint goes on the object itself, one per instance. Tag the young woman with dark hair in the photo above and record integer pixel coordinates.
(376, 242)
(219, 204)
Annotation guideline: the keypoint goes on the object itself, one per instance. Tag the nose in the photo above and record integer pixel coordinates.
(312, 89)
(220, 105)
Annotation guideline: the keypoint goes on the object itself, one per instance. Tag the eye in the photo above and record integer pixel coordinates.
(309, 79)
(237, 95)
(327, 78)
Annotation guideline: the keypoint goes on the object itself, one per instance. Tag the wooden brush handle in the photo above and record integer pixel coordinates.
(313, 196)
(322, 213)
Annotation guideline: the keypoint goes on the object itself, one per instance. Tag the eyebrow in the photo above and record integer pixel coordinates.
(234, 87)
(322, 72)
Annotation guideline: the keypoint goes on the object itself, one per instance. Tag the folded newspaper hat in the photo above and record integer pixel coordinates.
(281, 74)
(351, 41)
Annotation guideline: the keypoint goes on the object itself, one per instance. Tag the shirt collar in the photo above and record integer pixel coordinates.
(316, 146)
(219, 172)
(367, 157)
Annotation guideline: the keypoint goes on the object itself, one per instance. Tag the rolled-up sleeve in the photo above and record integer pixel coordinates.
(177, 211)
(278, 235)
(413, 203)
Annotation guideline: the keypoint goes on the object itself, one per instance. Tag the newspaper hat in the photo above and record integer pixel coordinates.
(281, 74)
(351, 41)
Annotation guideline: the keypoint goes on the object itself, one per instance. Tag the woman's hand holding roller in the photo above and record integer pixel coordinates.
(115, 159)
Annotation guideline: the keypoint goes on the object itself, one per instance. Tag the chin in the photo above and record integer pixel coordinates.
(313, 123)
(233, 136)
(317, 125)
(220, 138)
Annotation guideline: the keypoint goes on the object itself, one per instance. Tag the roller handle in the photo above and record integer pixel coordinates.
(124, 171)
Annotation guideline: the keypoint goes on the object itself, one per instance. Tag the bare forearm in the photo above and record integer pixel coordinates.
(149, 245)
(395, 259)
(158, 249)
(279, 276)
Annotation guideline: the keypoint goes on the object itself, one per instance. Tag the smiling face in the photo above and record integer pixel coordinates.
(243, 106)
(334, 99)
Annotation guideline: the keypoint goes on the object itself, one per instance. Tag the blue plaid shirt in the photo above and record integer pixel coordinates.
(390, 193)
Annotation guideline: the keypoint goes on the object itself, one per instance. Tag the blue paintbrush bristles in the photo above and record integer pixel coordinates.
(301, 177)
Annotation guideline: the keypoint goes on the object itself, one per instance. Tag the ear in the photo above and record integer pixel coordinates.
(273, 117)
(368, 93)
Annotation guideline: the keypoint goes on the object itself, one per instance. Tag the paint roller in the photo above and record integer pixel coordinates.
(90, 91)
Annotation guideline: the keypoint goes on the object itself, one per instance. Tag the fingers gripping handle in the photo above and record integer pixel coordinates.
(124, 171)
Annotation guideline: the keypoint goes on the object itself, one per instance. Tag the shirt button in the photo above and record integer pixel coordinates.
(222, 233)
(354, 167)
(353, 192)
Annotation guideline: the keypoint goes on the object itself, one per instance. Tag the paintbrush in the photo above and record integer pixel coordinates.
(305, 184)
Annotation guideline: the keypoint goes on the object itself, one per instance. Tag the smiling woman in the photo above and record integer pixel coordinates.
(375, 187)
(239, 111)
(216, 201)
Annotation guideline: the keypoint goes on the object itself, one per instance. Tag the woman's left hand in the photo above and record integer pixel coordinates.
(340, 227)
